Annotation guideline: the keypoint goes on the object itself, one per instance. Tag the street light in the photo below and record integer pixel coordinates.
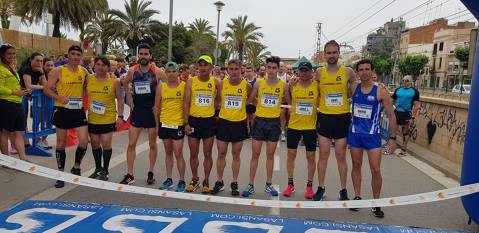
(219, 6)
(170, 33)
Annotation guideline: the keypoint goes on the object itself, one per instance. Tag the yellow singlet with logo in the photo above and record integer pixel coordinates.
(202, 97)
(101, 101)
(233, 101)
(334, 92)
(172, 104)
(304, 107)
(269, 99)
(70, 86)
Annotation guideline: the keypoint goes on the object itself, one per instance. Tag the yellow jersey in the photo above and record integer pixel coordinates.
(101, 101)
(202, 97)
(304, 103)
(172, 105)
(269, 99)
(70, 85)
(233, 101)
(334, 92)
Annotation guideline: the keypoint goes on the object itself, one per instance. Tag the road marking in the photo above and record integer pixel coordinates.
(54, 193)
(433, 173)
(275, 210)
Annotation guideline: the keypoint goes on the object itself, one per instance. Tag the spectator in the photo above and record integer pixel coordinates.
(12, 122)
(87, 63)
(121, 69)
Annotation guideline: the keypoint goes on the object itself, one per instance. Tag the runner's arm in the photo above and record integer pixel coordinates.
(219, 88)
(187, 101)
(120, 107)
(249, 90)
(351, 75)
(253, 94)
(386, 100)
(416, 104)
(126, 84)
(287, 94)
(158, 104)
(53, 78)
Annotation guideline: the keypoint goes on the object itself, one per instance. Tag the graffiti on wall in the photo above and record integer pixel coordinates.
(442, 117)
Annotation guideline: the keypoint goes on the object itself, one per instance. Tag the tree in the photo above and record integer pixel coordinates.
(240, 34)
(73, 14)
(201, 27)
(136, 22)
(383, 49)
(182, 41)
(7, 9)
(462, 54)
(256, 54)
(101, 30)
(413, 65)
(383, 66)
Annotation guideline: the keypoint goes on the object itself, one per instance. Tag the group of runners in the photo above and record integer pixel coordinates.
(333, 105)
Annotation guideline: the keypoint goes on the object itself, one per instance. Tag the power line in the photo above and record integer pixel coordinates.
(438, 5)
(359, 15)
(375, 13)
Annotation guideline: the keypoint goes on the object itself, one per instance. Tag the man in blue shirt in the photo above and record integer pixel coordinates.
(406, 105)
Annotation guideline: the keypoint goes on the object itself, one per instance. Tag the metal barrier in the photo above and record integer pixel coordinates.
(385, 126)
(42, 109)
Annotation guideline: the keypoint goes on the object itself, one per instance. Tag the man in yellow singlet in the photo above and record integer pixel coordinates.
(200, 124)
(69, 80)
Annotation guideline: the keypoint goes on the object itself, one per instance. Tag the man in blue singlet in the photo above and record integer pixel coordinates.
(364, 132)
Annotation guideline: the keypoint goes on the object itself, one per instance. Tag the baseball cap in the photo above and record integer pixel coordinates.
(171, 66)
(305, 64)
(206, 58)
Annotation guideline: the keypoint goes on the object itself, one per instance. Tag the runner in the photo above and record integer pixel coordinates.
(102, 89)
(302, 124)
(231, 126)
(266, 127)
(406, 105)
(262, 72)
(250, 76)
(169, 102)
(364, 133)
(200, 123)
(68, 81)
(141, 82)
(282, 75)
(334, 116)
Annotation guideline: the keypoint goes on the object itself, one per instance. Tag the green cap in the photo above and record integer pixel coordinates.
(206, 58)
(171, 66)
(305, 64)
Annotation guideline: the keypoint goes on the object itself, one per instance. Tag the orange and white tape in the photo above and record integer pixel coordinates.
(440, 195)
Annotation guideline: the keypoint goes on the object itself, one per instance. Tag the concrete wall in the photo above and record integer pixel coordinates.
(441, 127)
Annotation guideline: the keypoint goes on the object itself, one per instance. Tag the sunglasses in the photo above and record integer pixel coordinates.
(405, 80)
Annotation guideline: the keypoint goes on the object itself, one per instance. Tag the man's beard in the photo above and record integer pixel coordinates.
(332, 61)
(144, 61)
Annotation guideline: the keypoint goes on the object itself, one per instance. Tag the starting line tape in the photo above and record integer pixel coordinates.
(440, 195)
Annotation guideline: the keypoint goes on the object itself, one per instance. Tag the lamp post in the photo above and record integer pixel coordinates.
(219, 6)
(170, 33)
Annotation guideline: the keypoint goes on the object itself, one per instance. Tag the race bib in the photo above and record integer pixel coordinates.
(304, 109)
(74, 103)
(334, 99)
(169, 126)
(142, 87)
(270, 101)
(203, 100)
(363, 111)
(97, 107)
(233, 102)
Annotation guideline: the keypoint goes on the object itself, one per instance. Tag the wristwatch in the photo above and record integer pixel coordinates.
(393, 138)
(121, 117)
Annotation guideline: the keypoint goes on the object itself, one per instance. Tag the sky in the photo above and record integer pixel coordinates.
(289, 27)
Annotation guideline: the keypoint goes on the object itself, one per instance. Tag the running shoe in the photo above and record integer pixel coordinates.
(128, 179)
(309, 192)
(319, 195)
(59, 184)
(13, 150)
(234, 189)
(181, 186)
(150, 180)
(95, 174)
(76, 171)
(206, 188)
(192, 186)
(104, 175)
(248, 191)
(167, 184)
(289, 190)
(219, 186)
(343, 195)
(377, 212)
(271, 190)
(356, 198)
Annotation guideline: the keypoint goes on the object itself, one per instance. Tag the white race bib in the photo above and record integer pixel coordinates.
(169, 126)
(203, 100)
(233, 102)
(363, 111)
(334, 99)
(142, 87)
(270, 101)
(304, 109)
(74, 103)
(97, 107)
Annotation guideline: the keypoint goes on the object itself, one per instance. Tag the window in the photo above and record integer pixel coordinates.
(441, 46)
(434, 51)
(440, 63)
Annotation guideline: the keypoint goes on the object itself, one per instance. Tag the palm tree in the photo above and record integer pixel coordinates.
(135, 23)
(256, 53)
(7, 9)
(102, 29)
(73, 14)
(241, 33)
(201, 27)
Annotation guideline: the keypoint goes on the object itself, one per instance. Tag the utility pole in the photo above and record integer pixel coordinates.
(318, 41)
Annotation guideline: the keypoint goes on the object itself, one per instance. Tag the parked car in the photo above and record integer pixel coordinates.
(466, 88)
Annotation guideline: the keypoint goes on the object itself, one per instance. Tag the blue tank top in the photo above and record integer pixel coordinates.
(144, 89)
(366, 111)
